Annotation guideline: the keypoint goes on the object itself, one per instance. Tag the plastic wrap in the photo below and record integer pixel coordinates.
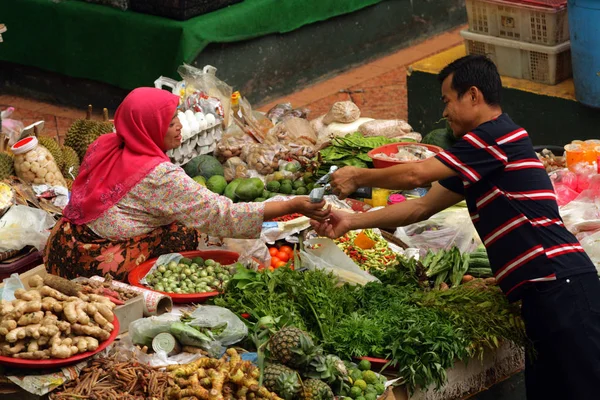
(232, 143)
(207, 82)
(37, 166)
(385, 127)
(235, 168)
(343, 112)
(264, 158)
(324, 254)
(25, 226)
(442, 231)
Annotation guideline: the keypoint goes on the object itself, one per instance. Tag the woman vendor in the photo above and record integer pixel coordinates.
(129, 203)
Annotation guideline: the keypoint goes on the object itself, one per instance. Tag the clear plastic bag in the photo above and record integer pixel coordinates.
(206, 81)
(264, 158)
(11, 284)
(25, 226)
(214, 316)
(235, 168)
(324, 254)
(583, 213)
(232, 143)
(442, 231)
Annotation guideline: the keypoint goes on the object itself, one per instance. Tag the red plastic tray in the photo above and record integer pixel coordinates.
(221, 256)
(58, 363)
(392, 149)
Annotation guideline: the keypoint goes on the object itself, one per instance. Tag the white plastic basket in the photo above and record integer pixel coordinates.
(524, 22)
(534, 62)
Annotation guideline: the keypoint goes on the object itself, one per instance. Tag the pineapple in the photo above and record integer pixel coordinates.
(282, 380)
(314, 389)
(292, 347)
(330, 369)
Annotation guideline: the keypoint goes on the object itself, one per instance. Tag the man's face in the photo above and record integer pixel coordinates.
(460, 112)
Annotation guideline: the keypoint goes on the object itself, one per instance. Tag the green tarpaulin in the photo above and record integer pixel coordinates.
(128, 49)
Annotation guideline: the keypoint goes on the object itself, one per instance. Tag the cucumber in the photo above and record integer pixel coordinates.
(481, 272)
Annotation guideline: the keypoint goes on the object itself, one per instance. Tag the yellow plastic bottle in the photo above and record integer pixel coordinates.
(379, 198)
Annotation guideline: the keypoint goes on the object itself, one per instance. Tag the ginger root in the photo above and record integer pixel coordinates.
(7, 325)
(7, 350)
(36, 281)
(27, 295)
(88, 330)
(51, 304)
(22, 332)
(47, 291)
(34, 355)
(31, 318)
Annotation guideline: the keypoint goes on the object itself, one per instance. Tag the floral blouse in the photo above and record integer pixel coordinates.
(168, 195)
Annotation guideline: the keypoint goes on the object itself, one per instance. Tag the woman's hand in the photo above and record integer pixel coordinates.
(338, 224)
(316, 211)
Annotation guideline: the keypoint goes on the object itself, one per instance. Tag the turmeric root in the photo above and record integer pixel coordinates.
(31, 318)
(198, 392)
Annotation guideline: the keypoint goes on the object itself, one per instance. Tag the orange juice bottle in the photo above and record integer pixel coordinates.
(575, 155)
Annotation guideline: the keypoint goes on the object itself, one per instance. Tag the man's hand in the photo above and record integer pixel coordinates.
(337, 225)
(343, 181)
(315, 211)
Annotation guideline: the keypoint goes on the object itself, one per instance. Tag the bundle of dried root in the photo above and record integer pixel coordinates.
(108, 379)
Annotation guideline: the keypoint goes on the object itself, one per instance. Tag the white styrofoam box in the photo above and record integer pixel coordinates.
(523, 22)
(201, 142)
(534, 62)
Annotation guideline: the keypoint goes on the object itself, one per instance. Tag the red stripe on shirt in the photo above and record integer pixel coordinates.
(546, 222)
(532, 195)
(470, 173)
(513, 136)
(551, 277)
(504, 229)
(524, 164)
(495, 151)
(488, 197)
(559, 250)
(519, 261)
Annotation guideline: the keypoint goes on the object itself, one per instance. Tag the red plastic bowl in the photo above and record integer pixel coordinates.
(221, 256)
(63, 362)
(392, 148)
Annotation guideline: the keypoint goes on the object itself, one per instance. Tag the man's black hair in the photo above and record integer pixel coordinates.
(478, 71)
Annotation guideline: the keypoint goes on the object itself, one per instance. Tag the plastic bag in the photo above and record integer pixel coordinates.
(564, 194)
(583, 213)
(11, 127)
(206, 81)
(442, 231)
(324, 254)
(385, 127)
(235, 168)
(11, 284)
(37, 166)
(214, 316)
(232, 143)
(126, 349)
(24, 226)
(264, 158)
(591, 245)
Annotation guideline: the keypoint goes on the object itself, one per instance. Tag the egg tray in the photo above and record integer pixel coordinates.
(201, 142)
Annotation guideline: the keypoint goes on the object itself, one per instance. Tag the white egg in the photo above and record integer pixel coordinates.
(201, 121)
(199, 116)
(210, 119)
(189, 114)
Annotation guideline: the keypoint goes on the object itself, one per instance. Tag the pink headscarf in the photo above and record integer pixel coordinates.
(116, 162)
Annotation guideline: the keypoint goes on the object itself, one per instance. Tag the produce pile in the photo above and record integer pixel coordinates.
(108, 378)
(190, 276)
(117, 294)
(367, 249)
(351, 150)
(53, 320)
(209, 378)
(420, 331)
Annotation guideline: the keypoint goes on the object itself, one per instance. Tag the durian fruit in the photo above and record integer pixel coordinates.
(70, 168)
(7, 165)
(83, 132)
(54, 149)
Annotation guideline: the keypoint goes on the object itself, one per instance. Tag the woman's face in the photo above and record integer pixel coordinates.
(173, 136)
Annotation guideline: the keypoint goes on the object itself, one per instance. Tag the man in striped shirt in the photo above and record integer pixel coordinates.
(513, 207)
